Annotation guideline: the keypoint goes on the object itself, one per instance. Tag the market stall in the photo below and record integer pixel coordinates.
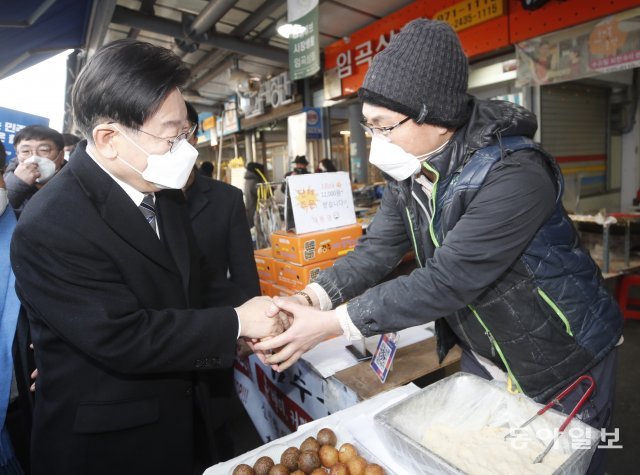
(461, 424)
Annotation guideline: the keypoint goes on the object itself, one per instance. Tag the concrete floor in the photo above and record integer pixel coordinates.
(626, 413)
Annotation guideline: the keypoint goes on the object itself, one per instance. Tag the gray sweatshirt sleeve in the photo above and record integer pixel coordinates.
(377, 253)
(517, 197)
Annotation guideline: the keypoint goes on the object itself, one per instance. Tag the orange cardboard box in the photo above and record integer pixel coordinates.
(265, 287)
(264, 264)
(281, 291)
(297, 277)
(314, 247)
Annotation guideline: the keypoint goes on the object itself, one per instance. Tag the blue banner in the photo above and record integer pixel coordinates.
(11, 122)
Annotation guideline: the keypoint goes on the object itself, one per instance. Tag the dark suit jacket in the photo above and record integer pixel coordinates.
(116, 324)
(219, 223)
(220, 226)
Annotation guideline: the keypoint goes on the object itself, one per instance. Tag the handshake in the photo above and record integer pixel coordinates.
(289, 325)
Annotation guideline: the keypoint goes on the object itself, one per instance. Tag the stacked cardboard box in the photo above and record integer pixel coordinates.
(294, 260)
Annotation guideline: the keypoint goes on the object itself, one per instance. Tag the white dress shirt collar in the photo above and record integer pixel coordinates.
(135, 195)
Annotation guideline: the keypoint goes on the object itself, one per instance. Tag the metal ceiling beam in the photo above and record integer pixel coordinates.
(219, 69)
(271, 30)
(197, 30)
(211, 60)
(210, 15)
(214, 58)
(134, 19)
(147, 8)
(101, 12)
(256, 17)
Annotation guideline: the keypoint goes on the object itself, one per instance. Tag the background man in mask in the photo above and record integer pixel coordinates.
(39, 156)
(120, 308)
(500, 268)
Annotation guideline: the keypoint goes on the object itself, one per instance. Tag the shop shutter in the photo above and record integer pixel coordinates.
(573, 118)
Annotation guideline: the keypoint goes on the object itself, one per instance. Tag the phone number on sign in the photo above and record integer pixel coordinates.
(470, 13)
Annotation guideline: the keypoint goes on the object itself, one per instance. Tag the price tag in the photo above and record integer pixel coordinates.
(383, 357)
(470, 13)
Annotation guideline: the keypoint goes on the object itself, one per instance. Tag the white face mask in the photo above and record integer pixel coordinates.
(170, 170)
(46, 167)
(4, 200)
(394, 161)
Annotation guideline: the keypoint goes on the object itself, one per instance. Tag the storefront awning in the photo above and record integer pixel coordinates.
(34, 30)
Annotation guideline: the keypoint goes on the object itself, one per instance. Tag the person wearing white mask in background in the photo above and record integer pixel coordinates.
(122, 311)
(500, 268)
(39, 156)
(70, 142)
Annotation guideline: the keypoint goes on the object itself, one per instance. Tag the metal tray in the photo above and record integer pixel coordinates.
(468, 403)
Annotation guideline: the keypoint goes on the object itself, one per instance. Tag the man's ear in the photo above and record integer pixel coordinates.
(442, 130)
(103, 135)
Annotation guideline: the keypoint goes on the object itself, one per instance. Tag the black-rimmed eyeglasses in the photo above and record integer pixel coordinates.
(384, 131)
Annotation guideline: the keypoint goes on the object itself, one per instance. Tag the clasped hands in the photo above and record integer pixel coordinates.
(291, 328)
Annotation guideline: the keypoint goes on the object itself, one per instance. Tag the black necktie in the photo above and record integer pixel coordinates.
(148, 209)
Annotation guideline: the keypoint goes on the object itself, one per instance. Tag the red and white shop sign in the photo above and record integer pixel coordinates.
(351, 56)
(477, 21)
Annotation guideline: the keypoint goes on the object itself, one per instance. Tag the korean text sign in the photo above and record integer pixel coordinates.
(12, 122)
(321, 201)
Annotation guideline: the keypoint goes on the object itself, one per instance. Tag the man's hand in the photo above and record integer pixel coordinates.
(243, 350)
(309, 327)
(27, 172)
(254, 322)
(286, 318)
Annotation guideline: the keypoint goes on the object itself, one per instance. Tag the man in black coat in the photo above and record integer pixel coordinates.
(219, 223)
(107, 268)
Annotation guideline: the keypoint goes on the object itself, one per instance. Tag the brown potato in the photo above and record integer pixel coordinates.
(243, 469)
(347, 452)
(297, 472)
(373, 469)
(279, 469)
(339, 469)
(327, 437)
(328, 455)
(309, 461)
(263, 465)
(319, 471)
(289, 458)
(310, 443)
(356, 465)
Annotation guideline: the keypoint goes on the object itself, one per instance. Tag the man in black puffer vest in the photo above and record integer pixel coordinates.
(500, 267)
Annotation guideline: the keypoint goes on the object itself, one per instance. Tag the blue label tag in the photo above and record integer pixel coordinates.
(383, 357)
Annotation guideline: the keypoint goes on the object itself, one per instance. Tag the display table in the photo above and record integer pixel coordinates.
(411, 363)
(354, 425)
(613, 266)
(278, 403)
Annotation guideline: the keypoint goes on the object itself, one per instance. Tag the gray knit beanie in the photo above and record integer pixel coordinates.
(423, 73)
